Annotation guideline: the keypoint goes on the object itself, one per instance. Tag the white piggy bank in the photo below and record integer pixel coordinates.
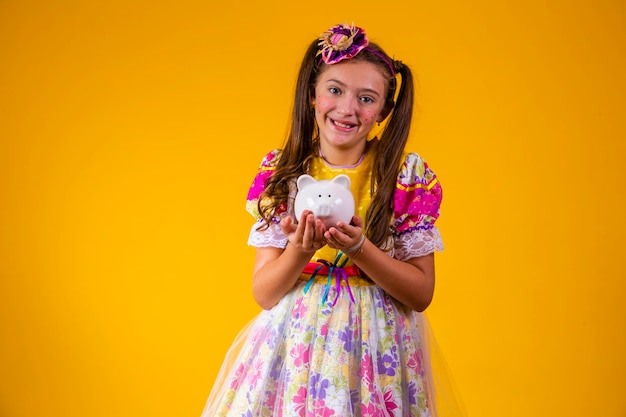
(329, 200)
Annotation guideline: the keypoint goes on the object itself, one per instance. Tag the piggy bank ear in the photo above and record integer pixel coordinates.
(342, 180)
(305, 180)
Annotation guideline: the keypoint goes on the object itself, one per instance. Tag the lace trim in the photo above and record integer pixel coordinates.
(417, 243)
(407, 245)
(270, 237)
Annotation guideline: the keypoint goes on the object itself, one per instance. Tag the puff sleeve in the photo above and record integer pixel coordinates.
(416, 202)
(272, 236)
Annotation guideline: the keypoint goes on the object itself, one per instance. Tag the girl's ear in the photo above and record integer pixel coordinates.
(312, 96)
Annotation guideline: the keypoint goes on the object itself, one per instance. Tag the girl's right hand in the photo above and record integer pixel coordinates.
(306, 235)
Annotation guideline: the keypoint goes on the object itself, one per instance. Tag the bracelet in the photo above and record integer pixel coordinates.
(356, 249)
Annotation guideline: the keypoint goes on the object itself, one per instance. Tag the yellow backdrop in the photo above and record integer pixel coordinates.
(130, 132)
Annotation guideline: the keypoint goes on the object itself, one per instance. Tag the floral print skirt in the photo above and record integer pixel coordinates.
(328, 351)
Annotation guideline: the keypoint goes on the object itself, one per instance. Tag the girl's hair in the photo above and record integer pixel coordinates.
(301, 146)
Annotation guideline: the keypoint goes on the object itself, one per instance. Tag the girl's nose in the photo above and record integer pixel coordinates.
(347, 105)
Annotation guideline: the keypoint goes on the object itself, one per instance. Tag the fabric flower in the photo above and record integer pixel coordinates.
(299, 401)
(341, 42)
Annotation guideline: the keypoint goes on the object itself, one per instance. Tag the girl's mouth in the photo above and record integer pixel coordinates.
(342, 125)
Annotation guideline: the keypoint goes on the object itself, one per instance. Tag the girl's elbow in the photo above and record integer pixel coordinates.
(262, 300)
(421, 303)
(422, 306)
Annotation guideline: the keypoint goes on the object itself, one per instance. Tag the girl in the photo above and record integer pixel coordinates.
(341, 333)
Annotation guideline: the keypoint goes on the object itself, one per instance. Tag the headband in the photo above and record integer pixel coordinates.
(344, 42)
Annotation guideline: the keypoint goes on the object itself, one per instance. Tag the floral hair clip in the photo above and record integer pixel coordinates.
(341, 42)
(344, 42)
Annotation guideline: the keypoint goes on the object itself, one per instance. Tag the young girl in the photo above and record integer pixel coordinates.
(341, 333)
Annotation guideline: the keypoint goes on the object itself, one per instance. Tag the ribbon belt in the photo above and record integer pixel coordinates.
(335, 269)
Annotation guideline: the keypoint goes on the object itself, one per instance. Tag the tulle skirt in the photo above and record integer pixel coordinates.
(346, 350)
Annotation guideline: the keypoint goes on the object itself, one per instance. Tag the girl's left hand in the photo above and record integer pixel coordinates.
(344, 235)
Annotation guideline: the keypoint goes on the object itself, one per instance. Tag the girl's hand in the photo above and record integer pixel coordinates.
(345, 236)
(306, 235)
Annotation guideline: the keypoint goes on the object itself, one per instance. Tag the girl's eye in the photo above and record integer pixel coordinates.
(334, 90)
(367, 99)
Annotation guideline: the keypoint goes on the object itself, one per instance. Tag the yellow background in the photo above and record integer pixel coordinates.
(130, 132)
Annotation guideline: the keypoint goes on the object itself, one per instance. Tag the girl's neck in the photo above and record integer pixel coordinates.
(344, 158)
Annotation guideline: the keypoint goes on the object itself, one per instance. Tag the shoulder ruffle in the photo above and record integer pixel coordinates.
(266, 169)
(271, 235)
(416, 204)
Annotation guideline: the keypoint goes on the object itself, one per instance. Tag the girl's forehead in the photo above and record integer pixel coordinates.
(353, 73)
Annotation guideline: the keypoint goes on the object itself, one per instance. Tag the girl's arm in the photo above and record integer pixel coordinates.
(411, 282)
(277, 270)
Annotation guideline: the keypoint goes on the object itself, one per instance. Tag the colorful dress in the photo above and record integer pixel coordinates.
(337, 344)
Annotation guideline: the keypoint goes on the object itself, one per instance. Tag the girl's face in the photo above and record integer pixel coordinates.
(349, 99)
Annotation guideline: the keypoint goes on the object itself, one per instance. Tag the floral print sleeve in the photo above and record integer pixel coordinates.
(415, 209)
(273, 235)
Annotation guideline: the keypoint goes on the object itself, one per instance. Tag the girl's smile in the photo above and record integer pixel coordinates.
(349, 99)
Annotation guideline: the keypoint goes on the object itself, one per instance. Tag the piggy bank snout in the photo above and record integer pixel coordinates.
(332, 209)
(324, 210)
